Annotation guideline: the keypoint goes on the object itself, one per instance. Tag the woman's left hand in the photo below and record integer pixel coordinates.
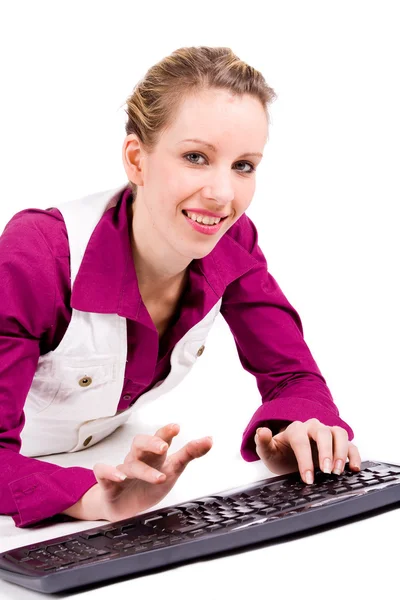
(303, 446)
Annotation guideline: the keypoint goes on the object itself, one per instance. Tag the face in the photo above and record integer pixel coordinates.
(185, 175)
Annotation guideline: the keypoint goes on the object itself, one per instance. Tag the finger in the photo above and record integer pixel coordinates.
(322, 436)
(354, 457)
(193, 449)
(147, 443)
(265, 444)
(340, 448)
(297, 436)
(107, 473)
(153, 443)
(168, 432)
(137, 469)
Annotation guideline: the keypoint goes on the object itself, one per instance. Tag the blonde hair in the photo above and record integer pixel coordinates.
(156, 98)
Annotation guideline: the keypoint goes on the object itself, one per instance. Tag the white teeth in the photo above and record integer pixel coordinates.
(202, 219)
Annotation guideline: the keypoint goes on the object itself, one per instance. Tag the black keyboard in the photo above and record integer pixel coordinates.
(250, 514)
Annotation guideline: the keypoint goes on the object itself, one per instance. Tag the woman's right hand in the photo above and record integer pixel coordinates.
(144, 463)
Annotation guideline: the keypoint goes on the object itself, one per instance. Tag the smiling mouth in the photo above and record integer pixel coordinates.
(186, 215)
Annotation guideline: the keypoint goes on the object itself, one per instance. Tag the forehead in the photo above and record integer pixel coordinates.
(216, 115)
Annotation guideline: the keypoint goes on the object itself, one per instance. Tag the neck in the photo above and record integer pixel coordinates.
(156, 267)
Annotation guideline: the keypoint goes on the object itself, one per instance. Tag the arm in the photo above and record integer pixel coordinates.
(269, 338)
(89, 507)
(30, 490)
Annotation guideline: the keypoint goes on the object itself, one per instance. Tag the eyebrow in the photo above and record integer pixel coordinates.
(213, 148)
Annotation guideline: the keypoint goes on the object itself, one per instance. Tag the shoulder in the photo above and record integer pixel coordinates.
(30, 271)
(36, 230)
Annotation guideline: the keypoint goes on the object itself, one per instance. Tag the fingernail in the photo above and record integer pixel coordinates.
(309, 477)
(338, 467)
(327, 465)
(163, 446)
(161, 476)
(120, 475)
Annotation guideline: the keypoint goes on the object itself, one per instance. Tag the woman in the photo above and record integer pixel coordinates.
(109, 298)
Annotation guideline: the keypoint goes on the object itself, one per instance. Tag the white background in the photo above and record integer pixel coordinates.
(325, 203)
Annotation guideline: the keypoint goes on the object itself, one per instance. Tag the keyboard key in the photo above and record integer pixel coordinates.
(56, 548)
(88, 535)
(189, 506)
(154, 520)
(229, 522)
(256, 505)
(213, 527)
(394, 470)
(198, 533)
(34, 563)
(243, 510)
(356, 485)
(159, 544)
(215, 519)
(116, 533)
(228, 515)
(284, 505)
(338, 490)
(75, 545)
(269, 511)
(245, 518)
(141, 548)
(300, 501)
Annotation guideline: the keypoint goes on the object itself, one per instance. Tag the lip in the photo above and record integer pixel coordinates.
(207, 213)
(206, 229)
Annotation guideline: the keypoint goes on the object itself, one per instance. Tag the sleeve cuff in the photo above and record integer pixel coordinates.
(43, 495)
(286, 409)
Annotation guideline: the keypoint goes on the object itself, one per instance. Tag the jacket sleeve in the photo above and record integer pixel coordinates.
(268, 334)
(30, 490)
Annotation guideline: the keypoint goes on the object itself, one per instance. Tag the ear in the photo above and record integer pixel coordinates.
(132, 158)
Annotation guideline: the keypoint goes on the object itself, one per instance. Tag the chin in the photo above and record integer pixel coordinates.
(200, 255)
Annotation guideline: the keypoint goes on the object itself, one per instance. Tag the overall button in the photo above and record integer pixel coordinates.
(126, 397)
(87, 441)
(200, 350)
(85, 381)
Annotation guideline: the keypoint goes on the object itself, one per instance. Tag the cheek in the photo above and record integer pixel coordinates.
(248, 196)
(180, 188)
(171, 181)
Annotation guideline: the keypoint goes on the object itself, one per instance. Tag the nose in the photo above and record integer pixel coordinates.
(221, 189)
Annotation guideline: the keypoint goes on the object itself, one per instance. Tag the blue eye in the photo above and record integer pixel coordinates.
(243, 162)
(193, 154)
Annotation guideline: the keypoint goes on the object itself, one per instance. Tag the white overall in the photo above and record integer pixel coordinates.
(76, 388)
